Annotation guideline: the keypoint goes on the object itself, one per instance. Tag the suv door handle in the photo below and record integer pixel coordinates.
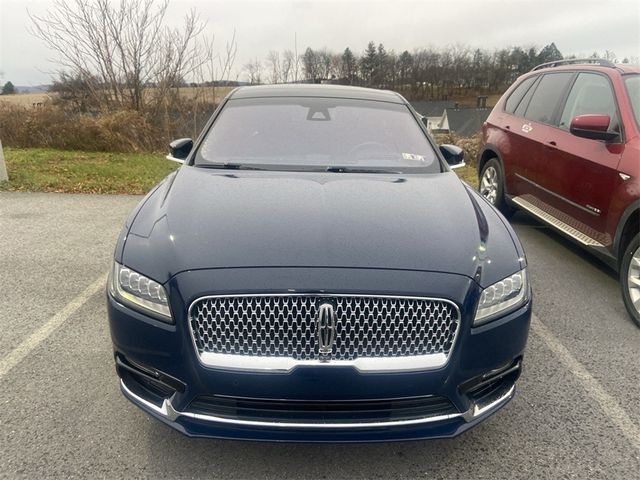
(552, 145)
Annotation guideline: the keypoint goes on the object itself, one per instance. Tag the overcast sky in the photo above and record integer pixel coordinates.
(577, 27)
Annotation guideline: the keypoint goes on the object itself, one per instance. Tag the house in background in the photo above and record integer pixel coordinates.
(450, 117)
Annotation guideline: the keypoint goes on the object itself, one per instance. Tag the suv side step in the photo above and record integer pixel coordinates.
(556, 223)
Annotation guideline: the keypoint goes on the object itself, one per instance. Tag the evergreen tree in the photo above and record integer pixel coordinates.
(380, 73)
(549, 53)
(405, 64)
(368, 63)
(348, 65)
(8, 89)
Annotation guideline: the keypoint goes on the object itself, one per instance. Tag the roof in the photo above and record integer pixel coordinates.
(316, 90)
(466, 122)
(623, 68)
(432, 108)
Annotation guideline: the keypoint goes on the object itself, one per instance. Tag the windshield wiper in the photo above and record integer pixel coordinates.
(229, 166)
(337, 169)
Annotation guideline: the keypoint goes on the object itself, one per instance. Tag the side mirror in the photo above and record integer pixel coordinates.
(453, 155)
(179, 150)
(593, 126)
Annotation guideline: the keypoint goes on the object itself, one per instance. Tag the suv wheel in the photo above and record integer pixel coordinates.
(492, 186)
(630, 278)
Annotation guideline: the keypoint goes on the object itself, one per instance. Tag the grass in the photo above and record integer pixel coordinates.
(469, 174)
(204, 93)
(47, 170)
(25, 99)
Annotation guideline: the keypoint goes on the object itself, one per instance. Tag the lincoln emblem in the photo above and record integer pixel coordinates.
(326, 328)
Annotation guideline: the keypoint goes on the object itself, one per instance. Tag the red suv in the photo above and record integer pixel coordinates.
(563, 144)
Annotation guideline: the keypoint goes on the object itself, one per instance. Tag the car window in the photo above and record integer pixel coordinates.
(632, 82)
(516, 96)
(546, 97)
(591, 93)
(317, 132)
(522, 107)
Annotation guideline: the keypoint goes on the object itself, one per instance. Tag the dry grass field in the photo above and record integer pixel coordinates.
(27, 99)
(205, 94)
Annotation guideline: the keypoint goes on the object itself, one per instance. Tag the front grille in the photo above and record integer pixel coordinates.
(326, 411)
(285, 326)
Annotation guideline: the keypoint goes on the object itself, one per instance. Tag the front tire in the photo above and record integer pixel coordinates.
(492, 186)
(630, 279)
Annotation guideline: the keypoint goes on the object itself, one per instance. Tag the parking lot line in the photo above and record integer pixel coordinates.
(41, 334)
(593, 388)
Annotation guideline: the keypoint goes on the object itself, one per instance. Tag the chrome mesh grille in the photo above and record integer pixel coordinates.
(285, 326)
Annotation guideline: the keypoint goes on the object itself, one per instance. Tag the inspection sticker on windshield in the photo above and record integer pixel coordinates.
(413, 156)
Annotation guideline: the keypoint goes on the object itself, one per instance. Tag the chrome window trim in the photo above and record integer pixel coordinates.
(174, 159)
(166, 410)
(287, 364)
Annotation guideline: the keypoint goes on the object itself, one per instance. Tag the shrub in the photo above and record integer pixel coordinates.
(470, 145)
(124, 131)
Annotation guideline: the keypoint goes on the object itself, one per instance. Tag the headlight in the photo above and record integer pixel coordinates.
(502, 297)
(138, 291)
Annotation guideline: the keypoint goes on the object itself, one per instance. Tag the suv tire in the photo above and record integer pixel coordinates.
(491, 186)
(630, 278)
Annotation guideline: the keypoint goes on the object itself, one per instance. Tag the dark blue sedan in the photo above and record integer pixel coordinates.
(316, 272)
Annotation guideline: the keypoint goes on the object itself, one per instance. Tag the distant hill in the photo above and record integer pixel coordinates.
(32, 88)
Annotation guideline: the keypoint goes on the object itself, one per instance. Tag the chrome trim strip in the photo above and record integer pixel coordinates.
(167, 411)
(574, 204)
(477, 409)
(558, 224)
(287, 364)
(174, 159)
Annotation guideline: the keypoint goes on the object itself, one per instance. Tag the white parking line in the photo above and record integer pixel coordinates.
(593, 388)
(41, 334)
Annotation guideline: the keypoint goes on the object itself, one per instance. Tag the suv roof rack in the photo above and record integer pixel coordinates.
(556, 63)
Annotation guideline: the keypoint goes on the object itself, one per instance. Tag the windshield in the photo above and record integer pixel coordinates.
(296, 133)
(633, 90)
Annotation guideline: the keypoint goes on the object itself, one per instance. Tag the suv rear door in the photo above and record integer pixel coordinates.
(579, 174)
(538, 116)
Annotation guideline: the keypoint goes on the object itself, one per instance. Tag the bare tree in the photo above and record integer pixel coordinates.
(254, 71)
(288, 66)
(208, 75)
(119, 49)
(273, 65)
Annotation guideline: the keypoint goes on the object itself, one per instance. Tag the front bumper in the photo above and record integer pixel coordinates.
(478, 379)
(200, 425)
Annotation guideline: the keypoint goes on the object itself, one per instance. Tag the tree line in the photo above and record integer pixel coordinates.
(424, 73)
(427, 72)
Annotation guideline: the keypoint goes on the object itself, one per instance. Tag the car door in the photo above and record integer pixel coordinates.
(535, 126)
(579, 174)
(516, 146)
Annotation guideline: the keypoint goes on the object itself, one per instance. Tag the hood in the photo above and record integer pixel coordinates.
(202, 218)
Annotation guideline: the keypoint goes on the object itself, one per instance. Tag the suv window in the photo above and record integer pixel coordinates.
(545, 99)
(633, 89)
(514, 99)
(526, 99)
(591, 93)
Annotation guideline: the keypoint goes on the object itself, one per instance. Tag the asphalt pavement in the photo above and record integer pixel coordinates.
(576, 413)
